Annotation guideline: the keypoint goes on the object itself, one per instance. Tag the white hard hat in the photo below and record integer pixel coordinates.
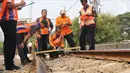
(63, 11)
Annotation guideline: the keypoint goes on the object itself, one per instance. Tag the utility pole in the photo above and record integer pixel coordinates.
(96, 4)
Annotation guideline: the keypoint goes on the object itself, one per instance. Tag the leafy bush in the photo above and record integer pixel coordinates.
(76, 30)
(1, 47)
(107, 29)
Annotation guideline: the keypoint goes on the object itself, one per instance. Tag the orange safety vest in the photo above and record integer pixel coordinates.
(87, 20)
(10, 14)
(2, 8)
(62, 21)
(56, 41)
(23, 28)
(44, 30)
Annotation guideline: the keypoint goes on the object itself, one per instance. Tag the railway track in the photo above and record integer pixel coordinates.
(101, 55)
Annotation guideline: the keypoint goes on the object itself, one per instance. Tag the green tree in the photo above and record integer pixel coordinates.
(1, 47)
(124, 22)
(107, 29)
(76, 30)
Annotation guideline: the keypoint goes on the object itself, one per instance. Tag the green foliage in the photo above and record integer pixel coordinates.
(1, 47)
(76, 30)
(32, 38)
(107, 29)
(125, 23)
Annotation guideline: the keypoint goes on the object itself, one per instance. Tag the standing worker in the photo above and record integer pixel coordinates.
(8, 22)
(64, 23)
(44, 40)
(87, 25)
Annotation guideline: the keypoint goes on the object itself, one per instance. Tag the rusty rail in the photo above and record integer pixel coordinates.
(118, 55)
(40, 65)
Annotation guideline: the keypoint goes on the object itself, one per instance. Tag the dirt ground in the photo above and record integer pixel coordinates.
(29, 68)
(69, 64)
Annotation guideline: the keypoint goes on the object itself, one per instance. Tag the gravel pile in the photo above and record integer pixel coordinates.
(70, 64)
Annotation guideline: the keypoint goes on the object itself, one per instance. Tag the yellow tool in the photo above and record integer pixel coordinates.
(72, 48)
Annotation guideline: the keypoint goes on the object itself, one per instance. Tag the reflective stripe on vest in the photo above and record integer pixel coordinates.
(10, 13)
(2, 8)
(87, 20)
(23, 28)
(45, 30)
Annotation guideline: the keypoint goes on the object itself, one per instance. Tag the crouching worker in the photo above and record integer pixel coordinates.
(24, 32)
(56, 42)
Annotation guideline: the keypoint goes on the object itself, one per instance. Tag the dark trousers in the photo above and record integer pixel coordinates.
(89, 32)
(38, 40)
(55, 54)
(9, 30)
(44, 40)
(22, 51)
(70, 40)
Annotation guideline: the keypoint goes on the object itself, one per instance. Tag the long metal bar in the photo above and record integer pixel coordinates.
(40, 52)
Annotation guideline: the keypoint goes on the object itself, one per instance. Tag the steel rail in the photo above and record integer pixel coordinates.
(118, 55)
(40, 65)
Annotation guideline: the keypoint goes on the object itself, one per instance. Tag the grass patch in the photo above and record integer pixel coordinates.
(1, 47)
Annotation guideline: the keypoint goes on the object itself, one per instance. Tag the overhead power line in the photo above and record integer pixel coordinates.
(73, 5)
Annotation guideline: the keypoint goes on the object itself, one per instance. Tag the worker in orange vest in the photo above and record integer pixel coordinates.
(20, 36)
(87, 25)
(8, 22)
(56, 40)
(64, 23)
(24, 32)
(44, 40)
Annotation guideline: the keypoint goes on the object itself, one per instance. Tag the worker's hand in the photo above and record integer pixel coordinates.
(64, 24)
(54, 48)
(21, 45)
(38, 36)
(88, 14)
(22, 3)
(67, 24)
(50, 30)
(62, 47)
(20, 8)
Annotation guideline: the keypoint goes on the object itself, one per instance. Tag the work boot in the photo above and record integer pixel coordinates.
(91, 49)
(23, 62)
(12, 68)
(28, 60)
(82, 48)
